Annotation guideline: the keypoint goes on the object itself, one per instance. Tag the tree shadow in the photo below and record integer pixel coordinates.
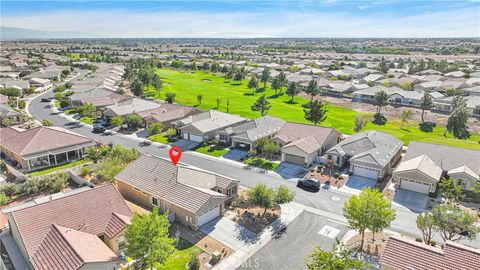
(290, 102)
(427, 127)
(276, 95)
(307, 105)
(260, 90)
(236, 83)
(248, 94)
(379, 119)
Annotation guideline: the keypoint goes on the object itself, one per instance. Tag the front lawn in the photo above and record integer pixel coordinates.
(187, 85)
(57, 104)
(60, 167)
(180, 257)
(161, 138)
(87, 120)
(261, 163)
(212, 150)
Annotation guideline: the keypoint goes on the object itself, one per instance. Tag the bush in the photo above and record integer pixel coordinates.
(418, 239)
(84, 171)
(154, 128)
(10, 189)
(194, 263)
(336, 174)
(21, 104)
(4, 199)
(54, 183)
(47, 123)
(31, 187)
(433, 243)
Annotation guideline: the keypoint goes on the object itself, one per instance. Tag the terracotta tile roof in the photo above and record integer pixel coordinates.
(89, 212)
(40, 139)
(168, 112)
(405, 253)
(307, 137)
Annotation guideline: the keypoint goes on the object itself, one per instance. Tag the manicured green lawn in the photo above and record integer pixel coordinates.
(57, 104)
(261, 163)
(60, 167)
(180, 257)
(161, 138)
(188, 84)
(212, 151)
(87, 120)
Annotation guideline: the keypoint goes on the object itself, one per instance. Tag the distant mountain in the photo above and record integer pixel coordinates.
(12, 33)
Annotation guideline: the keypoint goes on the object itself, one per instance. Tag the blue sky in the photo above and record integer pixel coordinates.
(325, 18)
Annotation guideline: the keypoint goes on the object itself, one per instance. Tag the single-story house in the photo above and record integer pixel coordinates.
(420, 174)
(6, 112)
(206, 125)
(339, 89)
(11, 83)
(445, 104)
(455, 74)
(40, 83)
(78, 97)
(102, 102)
(245, 135)
(167, 113)
(337, 74)
(371, 78)
(404, 253)
(82, 229)
(42, 147)
(371, 154)
(129, 106)
(304, 144)
(190, 195)
(396, 95)
(458, 163)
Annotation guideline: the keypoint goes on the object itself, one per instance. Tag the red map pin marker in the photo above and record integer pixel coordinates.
(175, 154)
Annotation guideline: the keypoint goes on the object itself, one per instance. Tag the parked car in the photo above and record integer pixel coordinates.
(109, 132)
(46, 99)
(98, 128)
(309, 183)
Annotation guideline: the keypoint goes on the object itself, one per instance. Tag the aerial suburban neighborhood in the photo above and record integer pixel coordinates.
(151, 143)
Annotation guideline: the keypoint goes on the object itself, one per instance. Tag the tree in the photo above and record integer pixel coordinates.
(380, 99)
(218, 101)
(316, 113)
(451, 191)
(253, 83)
(6, 122)
(292, 90)
(426, 103)
(170, 97)
(68, 85)
(312, 89)
(148, 239)
(368, 210)
(454, 224)
(116, 121)
(134, 120)
(137, 87)
(271, 149)
(10, 92)
(154, 128)
(87, 110)
(199, 99)
(47, 123)
(360, 122)
(93, 154)
(406, 115)
(426, 224)
(261, 143)
(262, 105)
(157, 83)
(338, 259)
(283, 195)
(276, 85)
(265, 77)
(194, 263)
(262, 196)
(228, 104)
(457, 122)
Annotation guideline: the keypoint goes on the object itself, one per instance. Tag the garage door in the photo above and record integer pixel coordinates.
(294, 159)
(416, 186)
(208, 216)
(365, 172)
(192, 137)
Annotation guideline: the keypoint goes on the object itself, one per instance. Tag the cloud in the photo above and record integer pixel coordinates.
(230, 24)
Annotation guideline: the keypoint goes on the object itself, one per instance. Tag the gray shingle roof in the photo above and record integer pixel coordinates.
(211, 120)
(258, 128)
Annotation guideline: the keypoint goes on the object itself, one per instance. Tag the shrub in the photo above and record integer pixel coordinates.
(47, 123)
(336, 174)
(4, 199)
(54, 182)
(10, 189)
(194, 263)
(31, 187)
(154, 128)
(433, 243)
(84, 171)
(418, 239)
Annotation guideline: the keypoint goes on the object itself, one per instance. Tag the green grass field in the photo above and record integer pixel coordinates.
(212, 151)
(188, 84)
(180, 257)
(60, 167)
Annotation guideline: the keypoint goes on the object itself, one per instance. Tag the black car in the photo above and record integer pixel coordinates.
(309, 183)
(46, 99)
(98, 128)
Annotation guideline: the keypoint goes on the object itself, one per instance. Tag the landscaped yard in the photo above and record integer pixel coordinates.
(60, 167)
(182, 254)
(87, 120)
(261, 163)
(188, 84)
(214, 150)
(161, 138)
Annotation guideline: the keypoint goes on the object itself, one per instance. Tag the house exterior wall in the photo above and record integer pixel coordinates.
(112, 243)
(463, 179)
(99, 266)
(16, 237)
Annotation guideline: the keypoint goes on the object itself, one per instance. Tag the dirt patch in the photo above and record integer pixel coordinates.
(372, 246)
(472, 208)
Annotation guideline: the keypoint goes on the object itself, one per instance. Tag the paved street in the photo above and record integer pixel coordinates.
(329, 201)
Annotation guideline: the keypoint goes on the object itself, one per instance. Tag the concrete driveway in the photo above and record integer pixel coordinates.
(412, 200)
(235, 154)
(297, 242)
(356, 183)
(288, 170)
(185, 145)
(230, 233)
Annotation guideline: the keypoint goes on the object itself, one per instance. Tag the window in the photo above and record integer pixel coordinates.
(154, 201)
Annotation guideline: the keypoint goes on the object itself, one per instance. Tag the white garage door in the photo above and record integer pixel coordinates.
(208, 216)
(294, 159)
(192, 137)
(365, 172)
(416, 186)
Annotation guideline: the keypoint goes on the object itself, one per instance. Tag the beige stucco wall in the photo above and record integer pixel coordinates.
(99, 266)
(16, 236)
(415, 176)
(112, 243)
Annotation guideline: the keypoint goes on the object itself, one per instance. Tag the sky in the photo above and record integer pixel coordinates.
(248, 19)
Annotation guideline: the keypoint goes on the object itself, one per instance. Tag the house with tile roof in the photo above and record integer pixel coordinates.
(42, 147)
(167, 114)
(424, 164)
(404, 253)
(190, 195)
(370, 154)
(304, 144)
(82, 230)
